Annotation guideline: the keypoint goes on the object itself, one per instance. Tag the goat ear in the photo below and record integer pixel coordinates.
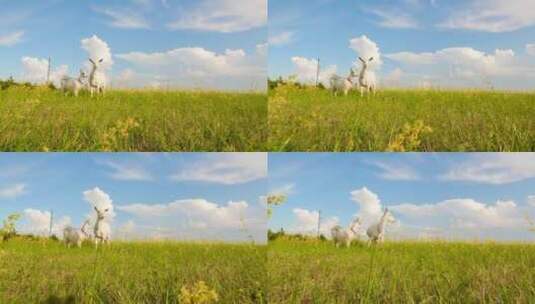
(361, 59)
(91, 60)
(101, 59)
(371, 59)
(106, 209)
(94, 207)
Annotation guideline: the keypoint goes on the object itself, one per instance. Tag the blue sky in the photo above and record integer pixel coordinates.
(442, 43)
(175, 196)
(151, 42)
(452, 196)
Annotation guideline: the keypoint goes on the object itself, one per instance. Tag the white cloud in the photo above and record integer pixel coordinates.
(35, 70)
(530, 49)
(466, 67)
(195, 66)
(224, 16)
(102, 201)
(12, 191)
(281, 38)
(463, 214)
(370, 208)
(37, 222)
(366, 48)
(394, 19)
(125, 78)
(395, 171)
(492, 16)
(199, 219)
(97, 49)
(306, 70)
(394, 78)
(495, 168)
(306, 222)
(11, 38)
(127, 171)
(226, 168)
(125, 18)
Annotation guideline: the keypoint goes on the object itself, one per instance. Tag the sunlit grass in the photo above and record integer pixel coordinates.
(401, 272)
(130, 272)
(39, 119)
(311, 119)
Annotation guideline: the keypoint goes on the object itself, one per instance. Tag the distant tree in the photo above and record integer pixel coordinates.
(275, 235)
(8, 229)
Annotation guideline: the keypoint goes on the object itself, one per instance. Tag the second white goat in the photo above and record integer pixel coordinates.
(345, 236)
(73, 236)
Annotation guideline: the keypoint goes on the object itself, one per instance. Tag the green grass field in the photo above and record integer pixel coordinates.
(311, 119)
(404, 272)
(48, 272)
(39, 119)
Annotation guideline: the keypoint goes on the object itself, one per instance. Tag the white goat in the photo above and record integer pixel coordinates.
(73, 85)
(73, 236)
(101, 230)
(339, 84)
(345, 236)
(376, 232)
(96, 79)
(367, 81)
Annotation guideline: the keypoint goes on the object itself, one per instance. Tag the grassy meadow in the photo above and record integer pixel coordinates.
(41, 119)
(45, 271)
(311, 119)
(400, 272)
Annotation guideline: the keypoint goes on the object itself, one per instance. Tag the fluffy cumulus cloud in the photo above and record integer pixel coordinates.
(37, 222)
(98, 49)
(11, 39)
(12, 191)
(306, 71)
(496, 168)
(370, 207)
(306, 222)
(464, 218)
(35, 70)
(492, 15)
(199, 219)
(466, 67)
(224, 16)
(366, 48)
(225, 168)
(461, 218)
(198, 67)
